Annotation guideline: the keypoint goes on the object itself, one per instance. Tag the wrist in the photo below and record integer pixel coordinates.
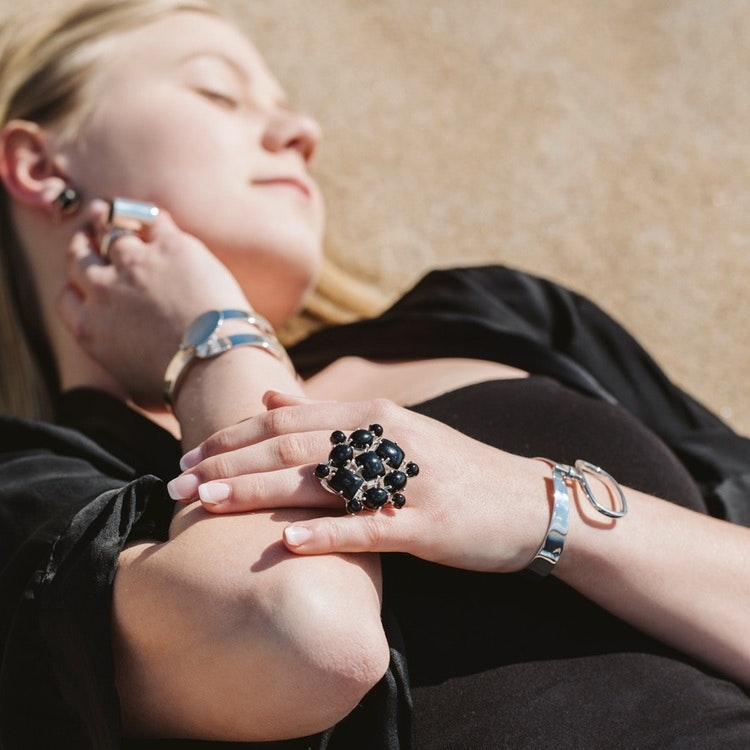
(225, 390)
(583, 493)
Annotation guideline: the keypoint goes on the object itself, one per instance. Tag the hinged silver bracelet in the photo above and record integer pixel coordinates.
(554, 543)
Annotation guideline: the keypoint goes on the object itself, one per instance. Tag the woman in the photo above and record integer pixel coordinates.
(260, 613)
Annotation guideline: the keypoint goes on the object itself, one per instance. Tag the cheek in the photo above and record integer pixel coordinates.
(153, 153)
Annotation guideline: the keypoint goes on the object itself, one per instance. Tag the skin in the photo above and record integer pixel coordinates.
(263, 579)
(227, 156)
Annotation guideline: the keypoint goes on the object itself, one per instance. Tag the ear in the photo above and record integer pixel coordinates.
(27, 166)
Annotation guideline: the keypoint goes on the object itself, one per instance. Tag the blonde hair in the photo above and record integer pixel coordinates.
(48, 52)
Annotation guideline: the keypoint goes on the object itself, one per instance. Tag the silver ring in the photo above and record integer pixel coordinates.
(110, 237)
(129, 214)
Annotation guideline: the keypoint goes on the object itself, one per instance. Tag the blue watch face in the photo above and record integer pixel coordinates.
(202, 328)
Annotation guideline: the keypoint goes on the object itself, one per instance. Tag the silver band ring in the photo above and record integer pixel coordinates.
(126, 217)
(130, 214)
(110, 237)
(366, 470)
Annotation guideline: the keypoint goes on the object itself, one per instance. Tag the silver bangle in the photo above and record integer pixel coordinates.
(554, 543)
(578, 474)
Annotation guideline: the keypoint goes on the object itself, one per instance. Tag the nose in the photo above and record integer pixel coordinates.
(287, 129)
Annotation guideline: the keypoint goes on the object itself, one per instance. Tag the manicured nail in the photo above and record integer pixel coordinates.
(297, 535)
(268, 395)
(191, 458)
(213, 493)
(183, 487)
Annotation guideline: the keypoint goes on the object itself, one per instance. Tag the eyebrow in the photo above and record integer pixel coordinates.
(230, 62)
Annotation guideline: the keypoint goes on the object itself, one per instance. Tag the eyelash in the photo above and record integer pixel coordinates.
(223, 99)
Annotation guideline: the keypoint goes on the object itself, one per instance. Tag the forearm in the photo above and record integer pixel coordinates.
(671, 572)
(224, 390)
(674, 573)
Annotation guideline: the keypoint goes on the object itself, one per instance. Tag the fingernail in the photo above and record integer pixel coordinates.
(268, 395)
(99, 204)
(183, 487)
(213, 493)
(297, 535)
(191, 458)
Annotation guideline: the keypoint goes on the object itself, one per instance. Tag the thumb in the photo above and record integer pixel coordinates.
(277, 399)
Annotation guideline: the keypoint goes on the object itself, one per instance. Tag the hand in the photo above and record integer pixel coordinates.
(130, 313)
(471, 506)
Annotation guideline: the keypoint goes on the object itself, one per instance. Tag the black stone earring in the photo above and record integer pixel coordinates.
(68, 202)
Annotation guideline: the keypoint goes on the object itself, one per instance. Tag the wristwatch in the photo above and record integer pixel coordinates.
(201, 341)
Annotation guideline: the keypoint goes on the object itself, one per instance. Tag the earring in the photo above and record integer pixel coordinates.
(68, 201)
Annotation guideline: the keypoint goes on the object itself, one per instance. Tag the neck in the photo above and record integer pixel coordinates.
(78, 370)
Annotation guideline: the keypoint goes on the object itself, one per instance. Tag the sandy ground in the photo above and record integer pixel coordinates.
(602, 144)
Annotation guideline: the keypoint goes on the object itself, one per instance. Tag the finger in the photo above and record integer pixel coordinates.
(387, 530)
(277, 399)
(108, 233)
(287, 488)
(162, 225)
(313, 416)
(286, 451)
(97, 214)
(85, 267)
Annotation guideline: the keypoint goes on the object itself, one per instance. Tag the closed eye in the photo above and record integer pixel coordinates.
(220, 97)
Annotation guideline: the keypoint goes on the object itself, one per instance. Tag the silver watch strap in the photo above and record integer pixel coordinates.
(201, 342)
(216, 346)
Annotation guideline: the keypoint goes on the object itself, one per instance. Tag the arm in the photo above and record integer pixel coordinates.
(220, 632)
(674, 573)
(248, 642)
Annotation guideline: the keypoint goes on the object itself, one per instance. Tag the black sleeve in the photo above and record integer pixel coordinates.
(66, 511)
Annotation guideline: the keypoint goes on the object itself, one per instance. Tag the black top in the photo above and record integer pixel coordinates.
(71, 498)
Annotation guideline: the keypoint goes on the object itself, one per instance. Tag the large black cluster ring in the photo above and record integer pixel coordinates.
(366, 470)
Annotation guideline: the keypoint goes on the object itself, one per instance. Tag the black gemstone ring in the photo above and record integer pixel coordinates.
(366, 469)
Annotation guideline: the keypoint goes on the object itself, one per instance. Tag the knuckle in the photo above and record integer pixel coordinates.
(372, 532)
(281, 451)
(248, 493)
(216, 467)
(331, 531)
(289, 450)
(218, 443)
(278, 422)
(385, 408)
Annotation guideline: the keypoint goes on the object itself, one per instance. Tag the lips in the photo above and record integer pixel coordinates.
(297, 183)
